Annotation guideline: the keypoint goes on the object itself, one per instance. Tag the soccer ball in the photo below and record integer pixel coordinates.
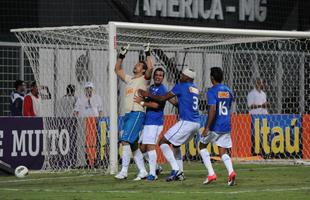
(21, 171)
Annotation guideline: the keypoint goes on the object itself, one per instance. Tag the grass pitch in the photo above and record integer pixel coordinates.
(253, 182)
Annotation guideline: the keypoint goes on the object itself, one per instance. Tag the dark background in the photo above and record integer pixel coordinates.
(281, 15)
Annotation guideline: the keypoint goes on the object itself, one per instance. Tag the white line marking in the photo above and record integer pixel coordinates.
(154, 191)
(96, 175)
(43, 179)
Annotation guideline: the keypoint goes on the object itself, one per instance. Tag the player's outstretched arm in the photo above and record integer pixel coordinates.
(118, 66)
(173, 101)
(150, 104)
(166, 97)
(149, 63)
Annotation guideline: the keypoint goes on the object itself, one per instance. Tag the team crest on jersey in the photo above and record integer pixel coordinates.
(223, 95)
(154, 90)
(129, 91)
(193, 90)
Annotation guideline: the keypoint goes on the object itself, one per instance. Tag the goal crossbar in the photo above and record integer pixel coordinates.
(145, 26)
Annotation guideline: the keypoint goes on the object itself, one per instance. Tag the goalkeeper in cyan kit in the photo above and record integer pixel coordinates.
(134, 112)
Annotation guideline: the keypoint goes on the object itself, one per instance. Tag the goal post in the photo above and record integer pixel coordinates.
(113, 99)
(74, 55)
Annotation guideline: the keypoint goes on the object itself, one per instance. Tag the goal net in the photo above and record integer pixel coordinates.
(75, 55)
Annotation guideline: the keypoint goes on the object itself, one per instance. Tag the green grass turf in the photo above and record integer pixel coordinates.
(253, 182)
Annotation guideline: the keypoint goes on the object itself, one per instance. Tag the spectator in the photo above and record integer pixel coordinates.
(88, 104)
(65, 105)
(32, 102)
(17, 98)
(257, 100)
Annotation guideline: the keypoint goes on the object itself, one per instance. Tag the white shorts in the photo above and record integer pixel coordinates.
(150, 134)
(221, 140)
(182, 132)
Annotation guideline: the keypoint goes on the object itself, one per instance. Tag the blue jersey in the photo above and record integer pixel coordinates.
(188, 99)
(156, 116)
(221, 96)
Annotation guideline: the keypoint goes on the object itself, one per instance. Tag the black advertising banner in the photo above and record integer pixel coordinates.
(249, 14)
(255, 14)
(62, 148)
(21, 142)
(25, 141)
(258, 14)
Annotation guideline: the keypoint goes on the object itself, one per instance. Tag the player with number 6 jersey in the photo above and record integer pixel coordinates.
(221, 96)
(217, 129)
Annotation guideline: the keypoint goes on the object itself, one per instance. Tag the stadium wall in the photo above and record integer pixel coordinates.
(24, 140)
(249, 14)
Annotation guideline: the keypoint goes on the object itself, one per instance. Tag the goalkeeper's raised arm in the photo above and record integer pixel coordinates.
(118, 66)
(149, 63)
(140, 69)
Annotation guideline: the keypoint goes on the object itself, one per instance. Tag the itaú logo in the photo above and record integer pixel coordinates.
(36, 142)
(284, 139)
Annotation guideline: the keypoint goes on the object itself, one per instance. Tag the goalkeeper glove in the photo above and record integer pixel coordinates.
(147, 49)
(123, 51)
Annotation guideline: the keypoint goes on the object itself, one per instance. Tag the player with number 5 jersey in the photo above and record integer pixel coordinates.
(188, 125)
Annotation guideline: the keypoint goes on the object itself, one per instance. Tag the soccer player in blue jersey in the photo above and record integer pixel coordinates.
(154, 120)
(188, 125)
(217, 129)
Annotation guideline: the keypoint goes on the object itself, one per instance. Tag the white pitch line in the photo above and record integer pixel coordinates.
(164, 192)
(44, 179)
(243, 169)
(91, 175)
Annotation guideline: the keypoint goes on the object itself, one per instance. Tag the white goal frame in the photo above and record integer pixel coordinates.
(112, 46)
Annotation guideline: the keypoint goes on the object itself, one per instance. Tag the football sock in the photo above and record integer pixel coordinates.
(138, 157)
(178, 156)
(227, 162)
(204, 153)
(169, 156)
(152, 162)
(125, 158)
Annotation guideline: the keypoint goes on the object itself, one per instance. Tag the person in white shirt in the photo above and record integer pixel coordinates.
(257, 100)
(89, 104)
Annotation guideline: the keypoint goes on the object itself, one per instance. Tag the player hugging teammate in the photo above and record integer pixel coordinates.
(217, 129)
